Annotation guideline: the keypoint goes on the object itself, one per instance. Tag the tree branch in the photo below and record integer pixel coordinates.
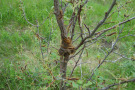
(105, 17)
(59, 16)
(25, 15)
(77, 62)
(106, 88)
(107, 54)
(99, 24)
(105, 30)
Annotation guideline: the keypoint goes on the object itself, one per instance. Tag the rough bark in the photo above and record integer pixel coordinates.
(63, 68)
(59, 16)
(65, 57)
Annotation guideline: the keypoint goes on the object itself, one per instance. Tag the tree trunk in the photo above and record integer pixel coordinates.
(63, 68)
(64, 58)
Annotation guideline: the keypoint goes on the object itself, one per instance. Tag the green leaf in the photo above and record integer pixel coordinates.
(101, 86)
(101, 78)
(80, 82)
(87, 84)
(111, 73)
(133, 74)
(75, 85)
(97, 73)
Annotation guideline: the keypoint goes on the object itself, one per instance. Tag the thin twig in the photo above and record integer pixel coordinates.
(118, 9)
(64, 8)
(73, 26)
(76, 53)
(77, 62)
(123, 56)
(106, 55)
(87, 29)
(25, 15)
(115, 84)
(105, 17)
(99, 24)
(39, 40)
(113, 61)
(105, 30)
(75, 18)
(127, 36)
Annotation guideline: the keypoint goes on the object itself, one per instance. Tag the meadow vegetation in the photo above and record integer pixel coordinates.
(21, 63)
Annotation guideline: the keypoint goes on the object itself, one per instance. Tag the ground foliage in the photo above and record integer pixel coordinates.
(21, 63)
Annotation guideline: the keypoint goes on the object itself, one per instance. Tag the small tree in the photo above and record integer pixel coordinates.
(93, 35)
(85, 38)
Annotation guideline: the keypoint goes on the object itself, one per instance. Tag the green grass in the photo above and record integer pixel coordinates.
(21, 63)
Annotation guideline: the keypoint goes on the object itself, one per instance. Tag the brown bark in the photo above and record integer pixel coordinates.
(65, 56)
(63, 68)
(59, 16)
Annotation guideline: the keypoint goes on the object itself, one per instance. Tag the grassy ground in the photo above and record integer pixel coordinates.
(22, 66)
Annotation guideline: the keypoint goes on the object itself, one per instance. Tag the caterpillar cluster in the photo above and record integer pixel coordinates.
(66, 47)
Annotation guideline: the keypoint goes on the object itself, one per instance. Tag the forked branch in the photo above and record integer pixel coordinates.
(99, 24)
(59, 16)
(115, 84)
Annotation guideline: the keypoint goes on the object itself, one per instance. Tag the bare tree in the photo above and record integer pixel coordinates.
(67, 50)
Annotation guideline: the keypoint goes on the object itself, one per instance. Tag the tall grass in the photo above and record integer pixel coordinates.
(20, 56)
